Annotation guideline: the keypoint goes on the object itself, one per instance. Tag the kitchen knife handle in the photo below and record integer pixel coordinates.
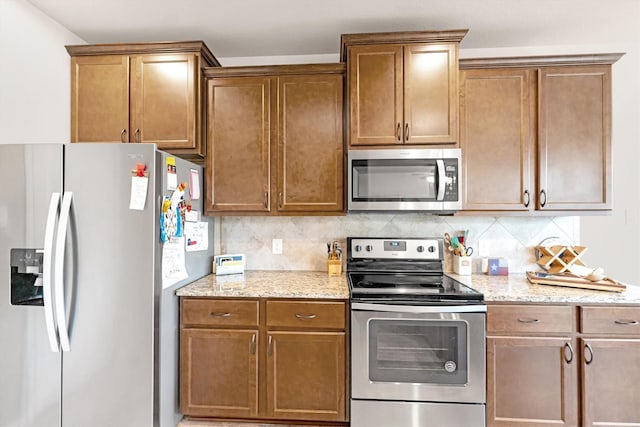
(543, 198)
(136, 136)
(406, 132)
(266, 199)
(47, 270)
(399, 133)
(570, 348)
(58, 284)
(252, 348)
(270, 346)
(123, 136)
(588, 361)
(527, 198)
(305, 316)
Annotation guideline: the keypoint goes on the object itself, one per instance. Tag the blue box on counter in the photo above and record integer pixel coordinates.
(498, 267)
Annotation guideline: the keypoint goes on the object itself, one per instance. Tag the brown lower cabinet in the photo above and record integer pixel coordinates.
(562, 365)
(263, 359)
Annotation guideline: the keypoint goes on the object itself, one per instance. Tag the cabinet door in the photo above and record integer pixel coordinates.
(497, 139)
(531, 381)
(306, 376)
(163, 100)
(100, 98)
(219, 373)
(238, 138)
(310, 143)
(610, 378)
(430, 94)
(375, 95)
(575, 138)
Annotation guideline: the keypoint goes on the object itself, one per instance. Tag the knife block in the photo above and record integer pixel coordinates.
(334, 267)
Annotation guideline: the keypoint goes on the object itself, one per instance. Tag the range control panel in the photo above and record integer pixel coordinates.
(395, 248)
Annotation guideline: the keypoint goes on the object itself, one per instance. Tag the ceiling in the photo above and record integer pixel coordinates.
(249, 28)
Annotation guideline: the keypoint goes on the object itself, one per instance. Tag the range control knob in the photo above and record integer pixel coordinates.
(431, 249)
(420, 248)
(357, 248)
(369, 248)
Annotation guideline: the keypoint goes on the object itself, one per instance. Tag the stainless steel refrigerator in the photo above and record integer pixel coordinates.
(77, 262)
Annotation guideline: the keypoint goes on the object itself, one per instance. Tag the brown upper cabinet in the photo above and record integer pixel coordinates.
(143, 92)
(536, 133)
(403, 87)
(275, 140)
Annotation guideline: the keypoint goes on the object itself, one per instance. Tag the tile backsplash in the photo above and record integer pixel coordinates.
(305, 238)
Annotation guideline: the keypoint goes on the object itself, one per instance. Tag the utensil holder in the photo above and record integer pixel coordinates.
(334, 267)
(462, 265)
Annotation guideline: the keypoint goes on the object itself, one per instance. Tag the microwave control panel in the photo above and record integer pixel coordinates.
(451, 169)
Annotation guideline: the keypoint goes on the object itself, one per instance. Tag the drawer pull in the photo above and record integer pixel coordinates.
(398, 133)
(590, 359)
(568, 346)
(527, 320)
(218, 314)
(625, 322)
(305, 316)
(270, 346)
(252, 348)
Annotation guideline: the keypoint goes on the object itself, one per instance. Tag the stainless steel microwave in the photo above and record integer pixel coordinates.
(406, 179)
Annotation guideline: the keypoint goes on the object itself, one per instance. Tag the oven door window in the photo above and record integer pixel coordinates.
(418, 351)
(394, 180)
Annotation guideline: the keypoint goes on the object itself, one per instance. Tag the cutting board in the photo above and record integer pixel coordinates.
(574, 282)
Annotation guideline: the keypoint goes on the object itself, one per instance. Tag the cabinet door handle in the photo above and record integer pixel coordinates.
(399, 133)
(253, 344)
(270, 346)
(280, 200)
(406, 132)
(527, 320)
(625, 322)
(123, 136)
(527, 198)
(219, 314)
(266, 199)
(543, 198)
(590, 359)
(305, 316)
(570, 348)
(136, 136)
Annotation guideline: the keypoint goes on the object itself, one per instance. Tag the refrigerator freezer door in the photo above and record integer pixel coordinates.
(29, 370)
(109, 288)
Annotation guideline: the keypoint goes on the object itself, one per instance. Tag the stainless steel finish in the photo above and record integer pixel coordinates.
(568, 346)
(441, 180)
(47, 272)
(29, 370)
(626, 322)
(252, 349)
(58, 275)
(415, 414)
(390, 308)
(363, 388)
(401, 153)
(412, 250)
(527, 198)
(590, 359)
(123, 136)
(526, 320)
(305, 316)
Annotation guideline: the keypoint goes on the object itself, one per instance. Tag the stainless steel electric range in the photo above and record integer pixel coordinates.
(417, 337)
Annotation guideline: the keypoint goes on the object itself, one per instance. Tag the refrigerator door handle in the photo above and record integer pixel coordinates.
(47, 259)
(61, 240)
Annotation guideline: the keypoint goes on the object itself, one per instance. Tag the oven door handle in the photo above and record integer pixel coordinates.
(471, 308)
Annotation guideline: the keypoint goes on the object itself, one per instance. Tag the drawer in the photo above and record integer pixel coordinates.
(530, 318)
(306, 314)
(610, 320)
(219, 312)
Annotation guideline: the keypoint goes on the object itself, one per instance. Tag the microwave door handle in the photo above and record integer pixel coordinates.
(441, 179)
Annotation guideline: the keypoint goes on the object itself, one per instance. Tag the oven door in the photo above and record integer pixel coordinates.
(418, 353)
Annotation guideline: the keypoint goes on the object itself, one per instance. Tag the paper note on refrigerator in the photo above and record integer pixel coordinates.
(197, 235)
(194, 184)
(173, 262)
(138, 196)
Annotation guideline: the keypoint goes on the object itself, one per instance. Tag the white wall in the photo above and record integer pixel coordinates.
(35, 75)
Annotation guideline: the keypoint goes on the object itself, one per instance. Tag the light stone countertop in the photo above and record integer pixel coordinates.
(319, 285)
(516, 288)
(270, 284)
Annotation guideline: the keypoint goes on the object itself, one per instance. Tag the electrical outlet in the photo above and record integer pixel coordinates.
(484, 247)
(276, 246)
